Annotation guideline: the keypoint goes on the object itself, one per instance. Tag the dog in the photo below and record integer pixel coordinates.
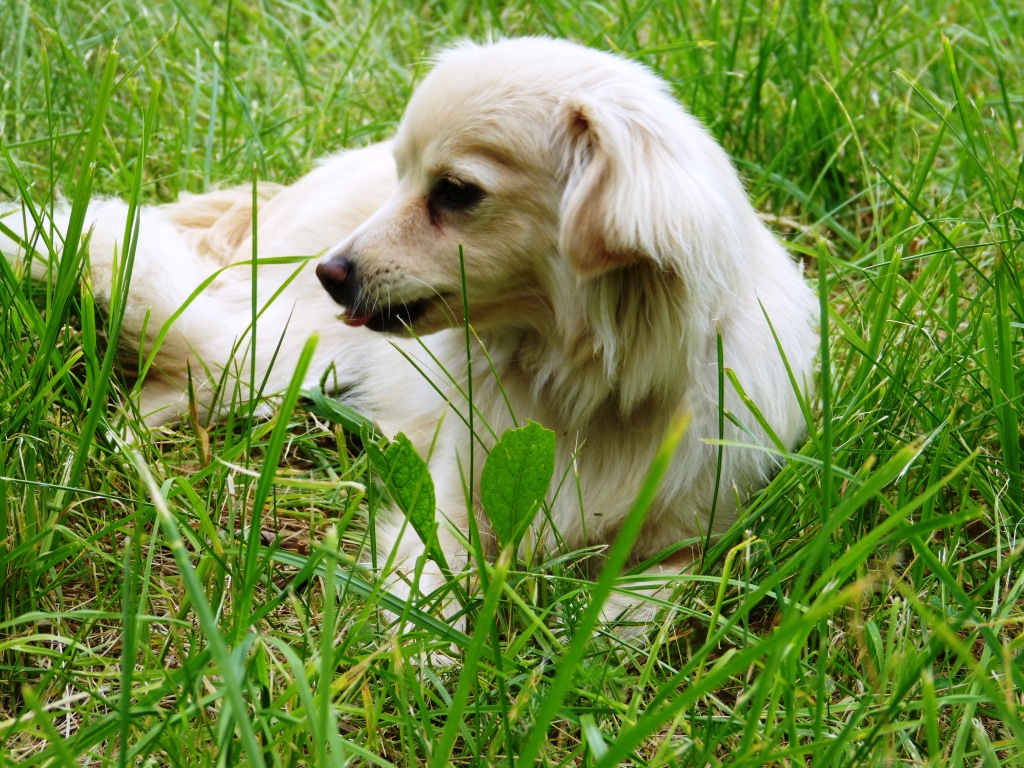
(615, 275)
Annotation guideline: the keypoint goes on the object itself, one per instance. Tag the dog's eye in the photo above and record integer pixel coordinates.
(451, 194)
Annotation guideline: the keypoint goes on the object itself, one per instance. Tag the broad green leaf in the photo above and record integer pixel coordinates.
(408, 482)
(515, 479)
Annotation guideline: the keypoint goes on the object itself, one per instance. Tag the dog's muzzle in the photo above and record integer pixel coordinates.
(337, 274)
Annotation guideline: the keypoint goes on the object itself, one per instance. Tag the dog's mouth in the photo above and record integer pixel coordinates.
(394, 318)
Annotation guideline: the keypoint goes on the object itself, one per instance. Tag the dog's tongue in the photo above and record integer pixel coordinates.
(356, 321)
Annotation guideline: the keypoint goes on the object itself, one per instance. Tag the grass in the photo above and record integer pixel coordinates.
(190, 599)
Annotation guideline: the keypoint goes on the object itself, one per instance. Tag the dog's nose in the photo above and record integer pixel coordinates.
(334, 272)
(338, 277)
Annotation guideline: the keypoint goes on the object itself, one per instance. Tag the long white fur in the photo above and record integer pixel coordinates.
(614, 243)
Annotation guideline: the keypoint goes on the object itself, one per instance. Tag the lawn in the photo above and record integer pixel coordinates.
(191, 596)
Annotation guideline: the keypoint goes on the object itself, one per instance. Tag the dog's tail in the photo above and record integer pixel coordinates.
(31, 236)
(144, 262)
(178, 249)
(164, 269)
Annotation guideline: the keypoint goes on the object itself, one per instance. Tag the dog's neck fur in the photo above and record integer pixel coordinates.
(592, 355)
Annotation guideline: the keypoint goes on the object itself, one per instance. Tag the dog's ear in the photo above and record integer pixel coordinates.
(588, 235)
(642, 181)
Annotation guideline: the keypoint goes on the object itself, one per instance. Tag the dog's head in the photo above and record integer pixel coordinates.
(545, 164)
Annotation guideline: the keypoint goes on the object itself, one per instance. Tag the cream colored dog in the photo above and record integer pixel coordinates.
(607, 242)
